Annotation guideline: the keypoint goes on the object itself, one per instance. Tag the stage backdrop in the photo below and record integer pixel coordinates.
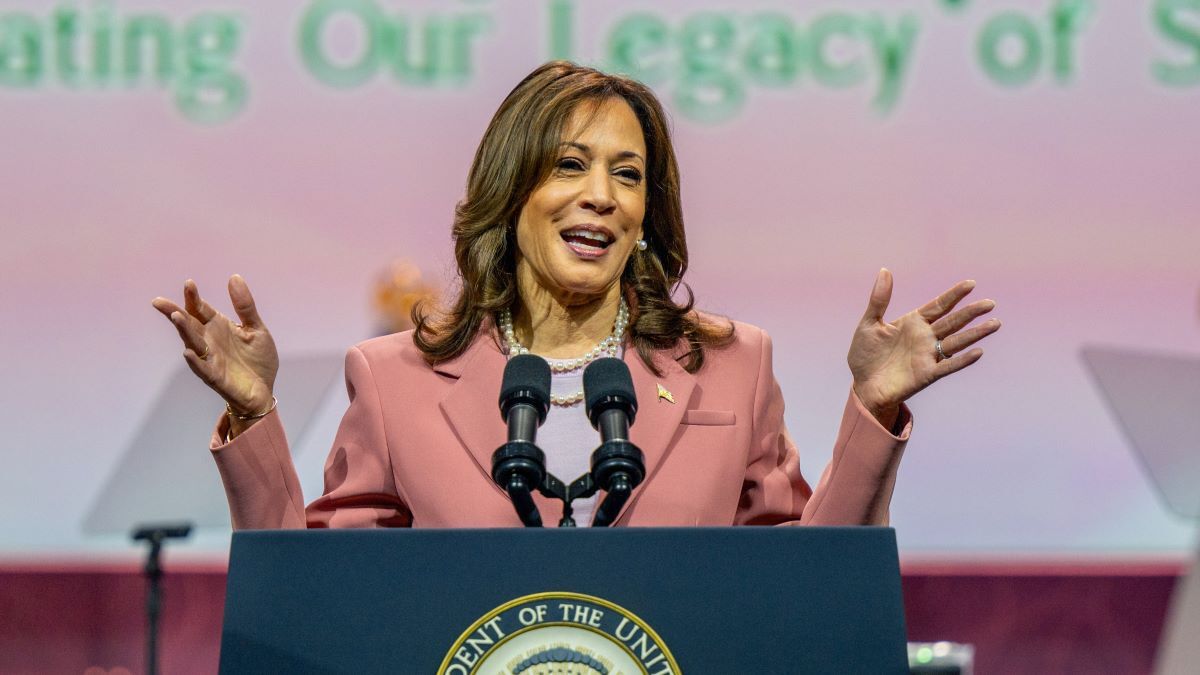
(1046, 148)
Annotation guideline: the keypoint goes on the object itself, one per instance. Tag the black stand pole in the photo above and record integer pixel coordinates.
(156, 535)
(153, 573)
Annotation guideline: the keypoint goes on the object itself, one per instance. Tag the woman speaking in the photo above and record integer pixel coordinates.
(569, 243)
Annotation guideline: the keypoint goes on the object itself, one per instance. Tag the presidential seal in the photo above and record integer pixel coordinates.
(559, 633)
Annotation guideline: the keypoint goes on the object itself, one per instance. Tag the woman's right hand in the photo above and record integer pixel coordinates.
(236, 360)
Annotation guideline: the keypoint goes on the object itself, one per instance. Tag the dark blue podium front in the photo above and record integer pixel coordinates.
(782, 600)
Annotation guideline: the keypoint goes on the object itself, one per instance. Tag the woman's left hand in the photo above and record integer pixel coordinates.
(891, 361)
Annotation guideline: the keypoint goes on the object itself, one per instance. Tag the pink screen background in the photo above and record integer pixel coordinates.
(1074, 206)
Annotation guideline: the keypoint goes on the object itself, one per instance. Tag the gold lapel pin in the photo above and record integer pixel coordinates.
(664, 394)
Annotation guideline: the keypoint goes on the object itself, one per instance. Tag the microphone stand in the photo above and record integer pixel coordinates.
(620, 487)
(554, 488)
(580, 488)
(156, 535)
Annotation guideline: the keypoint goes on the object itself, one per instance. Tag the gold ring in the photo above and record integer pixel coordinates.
(204, 356)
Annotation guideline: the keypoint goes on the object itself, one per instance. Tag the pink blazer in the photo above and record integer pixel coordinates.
(414, 448)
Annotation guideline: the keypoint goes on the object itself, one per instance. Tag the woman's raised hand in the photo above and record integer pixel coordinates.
(891, 361)
(237, 360)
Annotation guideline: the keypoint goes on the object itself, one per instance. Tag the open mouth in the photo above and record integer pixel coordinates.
(587, 242)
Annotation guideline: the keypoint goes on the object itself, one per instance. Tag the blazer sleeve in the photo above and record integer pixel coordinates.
(261, 483)
(856, 486)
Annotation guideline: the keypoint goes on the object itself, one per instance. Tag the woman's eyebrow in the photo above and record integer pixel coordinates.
(624, 154)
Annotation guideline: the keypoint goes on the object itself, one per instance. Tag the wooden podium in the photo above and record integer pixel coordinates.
(725, 601)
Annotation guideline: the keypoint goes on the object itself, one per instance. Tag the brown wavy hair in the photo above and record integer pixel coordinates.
(517, 153)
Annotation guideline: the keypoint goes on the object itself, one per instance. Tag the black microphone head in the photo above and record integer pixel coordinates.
(607, 384)
(526, 380)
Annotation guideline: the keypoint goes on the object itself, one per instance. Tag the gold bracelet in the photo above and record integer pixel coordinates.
(244, 418)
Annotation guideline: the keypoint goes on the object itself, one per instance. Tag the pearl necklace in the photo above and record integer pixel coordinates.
(607, 347)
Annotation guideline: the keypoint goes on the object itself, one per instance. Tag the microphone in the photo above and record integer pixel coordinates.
(519, 465)
(617, 465)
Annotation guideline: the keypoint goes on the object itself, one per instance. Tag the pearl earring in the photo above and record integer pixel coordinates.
(642, 245)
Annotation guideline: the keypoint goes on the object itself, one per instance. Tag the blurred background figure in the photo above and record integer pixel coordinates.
(399, 288)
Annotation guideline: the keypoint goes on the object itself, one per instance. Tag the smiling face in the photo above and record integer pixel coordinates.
(580, 225)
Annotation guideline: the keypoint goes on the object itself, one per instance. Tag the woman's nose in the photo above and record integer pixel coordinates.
(597, 192)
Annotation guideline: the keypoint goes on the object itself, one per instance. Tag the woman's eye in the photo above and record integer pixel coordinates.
(632, 175)
(570, 164)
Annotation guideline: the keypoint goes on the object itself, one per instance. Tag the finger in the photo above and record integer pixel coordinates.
(165, 307)
(243, 302)
(202, 368)
(881, 296)
(191, 332)
(953, 365)
(960, 341)
(951, 323)
(939, 306)
(196, 306)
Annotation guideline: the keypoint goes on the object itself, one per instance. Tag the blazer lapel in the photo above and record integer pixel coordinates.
(657, 420)
(471, 407)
